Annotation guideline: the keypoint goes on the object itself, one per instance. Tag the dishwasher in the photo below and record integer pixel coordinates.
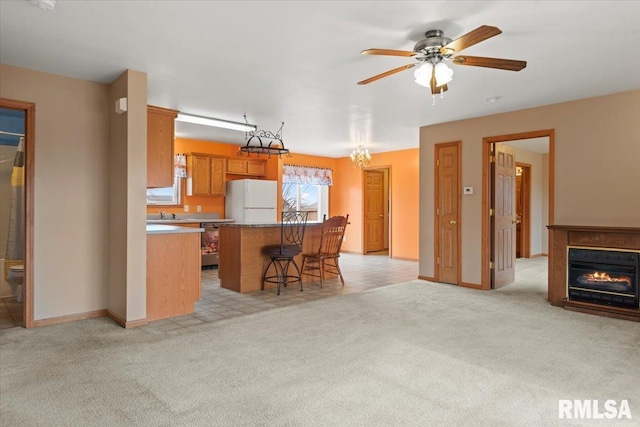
(210, 245)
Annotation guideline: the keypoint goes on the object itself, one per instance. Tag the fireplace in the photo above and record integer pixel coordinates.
(603, 276)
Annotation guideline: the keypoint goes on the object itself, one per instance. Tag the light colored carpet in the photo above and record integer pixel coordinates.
(416, 353)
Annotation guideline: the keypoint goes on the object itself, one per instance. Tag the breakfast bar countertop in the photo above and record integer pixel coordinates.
(177, 221)
(260, 225)
(242, 260)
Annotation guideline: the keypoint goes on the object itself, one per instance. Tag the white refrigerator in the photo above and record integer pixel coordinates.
(251, 201)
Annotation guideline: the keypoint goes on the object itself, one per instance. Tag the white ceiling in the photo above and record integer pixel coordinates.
(299, 61)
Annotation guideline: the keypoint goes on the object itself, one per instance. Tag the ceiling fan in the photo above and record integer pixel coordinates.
(431, 52)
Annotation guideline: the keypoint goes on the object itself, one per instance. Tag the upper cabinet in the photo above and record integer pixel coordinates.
(252, 167)
(205, 175)
(160, 138)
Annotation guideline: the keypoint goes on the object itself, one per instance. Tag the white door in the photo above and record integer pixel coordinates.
(260, 194)
(260, 216)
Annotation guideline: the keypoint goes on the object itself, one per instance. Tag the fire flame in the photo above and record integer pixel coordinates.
(604, 277)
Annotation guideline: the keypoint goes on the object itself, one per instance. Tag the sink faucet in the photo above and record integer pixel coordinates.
(162, 215)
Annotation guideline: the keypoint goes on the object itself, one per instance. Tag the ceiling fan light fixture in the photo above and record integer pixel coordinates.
(443, 74)
(423, 74)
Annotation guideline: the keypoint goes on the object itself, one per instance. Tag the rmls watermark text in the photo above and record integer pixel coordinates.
(594, 409)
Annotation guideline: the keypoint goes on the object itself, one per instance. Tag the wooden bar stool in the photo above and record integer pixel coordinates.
(325, 260)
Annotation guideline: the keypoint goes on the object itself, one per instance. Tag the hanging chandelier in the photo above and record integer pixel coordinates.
(360, 157)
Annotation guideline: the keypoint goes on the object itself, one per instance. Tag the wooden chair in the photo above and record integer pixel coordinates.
(325, 260)
(281, 256)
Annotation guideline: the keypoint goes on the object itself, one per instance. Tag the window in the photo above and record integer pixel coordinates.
(306, 197)
(166, 196)
(306, 188)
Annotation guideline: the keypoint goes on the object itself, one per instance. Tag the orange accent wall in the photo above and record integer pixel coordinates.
(209, 204)
(345, 196)
(404, 172)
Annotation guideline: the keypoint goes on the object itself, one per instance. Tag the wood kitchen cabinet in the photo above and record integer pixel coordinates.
(252, 167)
(160, 139)
(174, 278)
(205, 175)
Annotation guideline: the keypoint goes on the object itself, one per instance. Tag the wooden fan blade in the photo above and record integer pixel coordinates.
(476, 36)
(388, 52)
(388, 73)
(440, 89)
(436, 89)
(479, 61)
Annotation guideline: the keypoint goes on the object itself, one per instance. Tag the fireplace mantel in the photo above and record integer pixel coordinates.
(561, 236)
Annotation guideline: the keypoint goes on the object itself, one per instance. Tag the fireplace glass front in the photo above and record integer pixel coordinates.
(602, 276)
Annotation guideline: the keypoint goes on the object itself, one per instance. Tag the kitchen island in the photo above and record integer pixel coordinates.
(173, 270)
(242, 262)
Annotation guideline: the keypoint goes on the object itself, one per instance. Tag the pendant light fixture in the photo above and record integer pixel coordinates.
(360, 157)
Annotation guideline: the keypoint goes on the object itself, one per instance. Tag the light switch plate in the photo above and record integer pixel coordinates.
(468, 190)
(186, 208)
(199, 208)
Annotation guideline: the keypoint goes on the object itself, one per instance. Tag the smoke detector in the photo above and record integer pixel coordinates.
(44, 4)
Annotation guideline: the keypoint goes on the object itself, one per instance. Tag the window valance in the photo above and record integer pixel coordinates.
(292, 174)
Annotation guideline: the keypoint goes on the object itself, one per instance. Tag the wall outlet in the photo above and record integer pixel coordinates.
(199, 208)
(186, 208)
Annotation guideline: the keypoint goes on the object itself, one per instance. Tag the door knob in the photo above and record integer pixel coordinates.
(453, 221)
(381, 216)
(516, 221)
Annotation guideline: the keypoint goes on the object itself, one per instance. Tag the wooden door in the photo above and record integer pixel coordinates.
(518, 215)
(504, 221)
(218, 184)
(160, 139)
(523, 210)
(201, 176)
(256, 167)
(374, 211)
(237, 166)
(447, 213)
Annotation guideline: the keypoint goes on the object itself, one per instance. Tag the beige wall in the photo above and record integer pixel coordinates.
(71, 203)
(127, 205)
(597, 149)
(90, 184)
(137, 196)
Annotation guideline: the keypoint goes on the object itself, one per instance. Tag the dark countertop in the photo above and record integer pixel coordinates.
(179, 221)
(262, 225)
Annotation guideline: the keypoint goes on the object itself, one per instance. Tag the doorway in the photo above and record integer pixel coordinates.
(376, 204)
(538, 212)
(27, 203)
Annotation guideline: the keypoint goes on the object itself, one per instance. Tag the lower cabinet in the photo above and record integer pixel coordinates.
(173, 274)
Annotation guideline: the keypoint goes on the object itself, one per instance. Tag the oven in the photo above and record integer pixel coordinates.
(210, 245)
